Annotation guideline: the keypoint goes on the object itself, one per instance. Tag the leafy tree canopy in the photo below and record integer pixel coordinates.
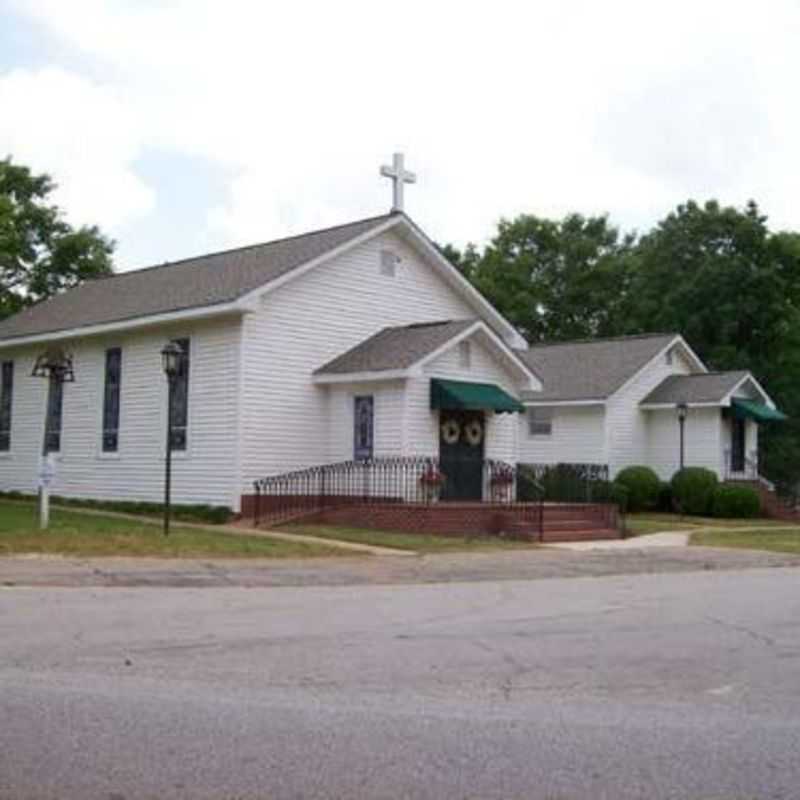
(40, 253)
(553, 279)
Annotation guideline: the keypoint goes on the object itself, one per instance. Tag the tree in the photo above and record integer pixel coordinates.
(40, 253)
(464, 261)
(554, 279)
(722, 279)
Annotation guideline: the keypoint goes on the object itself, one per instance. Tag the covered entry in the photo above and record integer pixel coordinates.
(463, 408)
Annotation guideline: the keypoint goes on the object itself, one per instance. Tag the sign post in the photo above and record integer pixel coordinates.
(47, 472)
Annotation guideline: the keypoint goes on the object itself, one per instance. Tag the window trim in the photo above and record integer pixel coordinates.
(545, 425)
(6, 405)
(54, 384)
(185, 343)
(363, 452)
(105, 450)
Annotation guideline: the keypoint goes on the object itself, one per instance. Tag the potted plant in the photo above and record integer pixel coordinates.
(500, 483)
(431, 481)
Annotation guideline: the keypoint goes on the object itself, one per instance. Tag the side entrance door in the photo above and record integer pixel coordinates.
(461, 437)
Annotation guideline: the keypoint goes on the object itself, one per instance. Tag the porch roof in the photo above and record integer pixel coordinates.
(396, 348)
(715, 389)
(399, 352)
(707, 387)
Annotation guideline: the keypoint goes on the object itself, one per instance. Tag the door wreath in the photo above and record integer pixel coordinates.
(473, 433)
(451, 431)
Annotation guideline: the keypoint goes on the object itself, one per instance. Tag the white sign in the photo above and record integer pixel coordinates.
(47, 472)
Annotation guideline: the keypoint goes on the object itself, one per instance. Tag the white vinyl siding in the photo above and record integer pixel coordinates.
(387, 419)
(205, 473)
(703, 441)
(577, 436)
(626, 423)
(309, 321)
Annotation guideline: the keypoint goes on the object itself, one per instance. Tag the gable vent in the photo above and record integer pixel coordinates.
(389, 262)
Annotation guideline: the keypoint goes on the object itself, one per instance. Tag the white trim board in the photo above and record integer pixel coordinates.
(199, 312)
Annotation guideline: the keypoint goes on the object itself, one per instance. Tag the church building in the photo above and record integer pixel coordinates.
(349, 344)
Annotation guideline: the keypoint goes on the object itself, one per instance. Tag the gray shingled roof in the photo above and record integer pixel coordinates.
(395, 348)
(709, 387)
(195, 282)
(591, 369)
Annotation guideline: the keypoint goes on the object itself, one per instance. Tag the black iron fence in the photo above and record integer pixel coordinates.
(423, 479)
(406, 479)
(564, 483)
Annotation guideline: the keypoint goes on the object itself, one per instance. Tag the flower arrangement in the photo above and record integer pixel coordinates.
(431, 480)
(501, 481)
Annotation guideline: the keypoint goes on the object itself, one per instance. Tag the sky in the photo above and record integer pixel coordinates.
(188, 126)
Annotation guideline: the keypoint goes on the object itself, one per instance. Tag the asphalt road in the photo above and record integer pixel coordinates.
(648, 686)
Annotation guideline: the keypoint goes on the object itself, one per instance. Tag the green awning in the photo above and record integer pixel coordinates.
(472, 396)
(752, 409)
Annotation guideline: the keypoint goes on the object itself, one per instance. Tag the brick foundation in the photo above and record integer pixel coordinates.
(559, 521)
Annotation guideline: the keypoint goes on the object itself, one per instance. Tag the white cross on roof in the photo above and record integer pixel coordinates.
(399, 176)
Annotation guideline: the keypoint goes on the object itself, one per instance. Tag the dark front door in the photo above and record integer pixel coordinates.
(461, 435)
(737, 444)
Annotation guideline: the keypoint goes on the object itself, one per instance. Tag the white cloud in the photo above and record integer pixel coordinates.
(623, 106)
(81, 133)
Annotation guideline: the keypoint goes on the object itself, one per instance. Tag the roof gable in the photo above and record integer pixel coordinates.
(204, 281)
(591, 370)
(710, 388)
(395, 350)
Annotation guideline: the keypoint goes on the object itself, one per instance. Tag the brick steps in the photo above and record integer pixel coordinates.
(591, 535)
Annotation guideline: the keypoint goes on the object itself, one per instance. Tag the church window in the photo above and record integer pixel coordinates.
(55, 407)
(179, 399)
(668, 357)
(111, 397)
(6, 391)
(540, 422)
(364, 422)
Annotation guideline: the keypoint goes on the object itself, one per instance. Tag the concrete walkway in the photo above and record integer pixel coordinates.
(241, 530)
(663, 539)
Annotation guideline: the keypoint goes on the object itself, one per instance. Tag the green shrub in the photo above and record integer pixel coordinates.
(564, 484)
(693, 490)
(665, 497)
(609, 492)
(643, 487)
(736, 501)
(620, 496)
(215, 515)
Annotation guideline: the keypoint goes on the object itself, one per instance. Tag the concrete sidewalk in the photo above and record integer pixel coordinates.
(663, 539)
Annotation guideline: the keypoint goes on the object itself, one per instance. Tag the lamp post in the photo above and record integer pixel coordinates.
(171, 356)
(683, 410)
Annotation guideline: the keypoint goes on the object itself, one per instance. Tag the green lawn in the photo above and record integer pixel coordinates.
(778, 539)
(640, 524)
(76, 534)
(420, 542)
